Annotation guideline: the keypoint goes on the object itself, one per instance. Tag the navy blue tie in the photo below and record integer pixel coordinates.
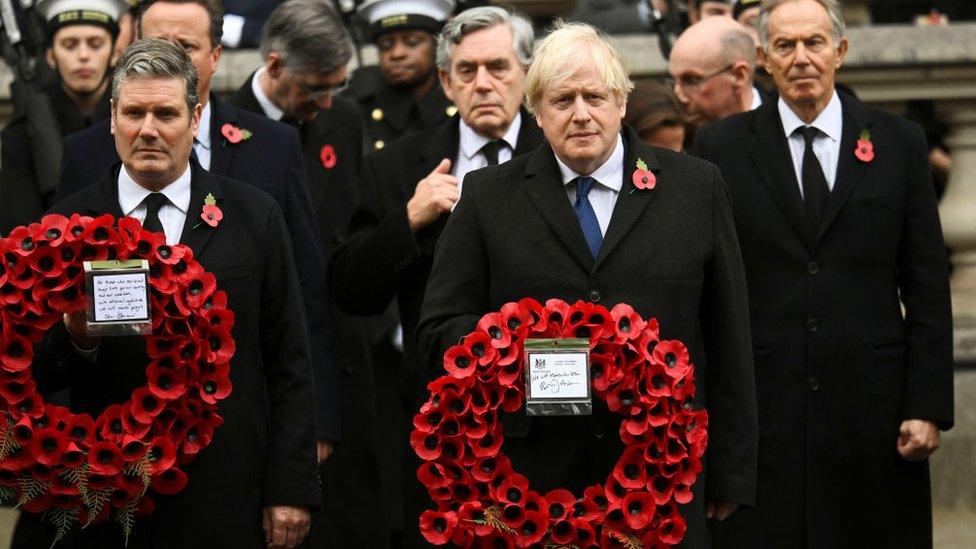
(586, 215)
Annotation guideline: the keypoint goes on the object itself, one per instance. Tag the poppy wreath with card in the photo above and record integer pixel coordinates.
(76, 468)
(481, 501)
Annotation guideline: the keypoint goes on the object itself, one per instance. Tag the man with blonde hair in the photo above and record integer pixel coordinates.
(848, 286)
(567, 222)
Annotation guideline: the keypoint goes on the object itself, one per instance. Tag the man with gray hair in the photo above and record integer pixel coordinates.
(410, 186)
(254, 485)
(712, 66)
(848, 290)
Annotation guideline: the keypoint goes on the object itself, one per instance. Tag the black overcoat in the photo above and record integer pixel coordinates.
(383, 260)
(669, 252)
(839, 365)
(270, 160)
(264, 454)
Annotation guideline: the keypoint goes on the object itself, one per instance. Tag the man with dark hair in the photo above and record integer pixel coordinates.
(305, 52)
(254, 485)
(80, 35)
(409, 188)
(401, 95)
(849, 298)
(245, 147)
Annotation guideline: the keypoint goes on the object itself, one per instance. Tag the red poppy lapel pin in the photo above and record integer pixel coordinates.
(865, 148)
(233, 134)
(328, 157)
(643, 178)
(211, 214)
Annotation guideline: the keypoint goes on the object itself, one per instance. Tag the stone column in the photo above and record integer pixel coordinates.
(958, 212)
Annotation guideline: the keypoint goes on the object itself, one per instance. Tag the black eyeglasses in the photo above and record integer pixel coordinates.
(316, 93)
(692, 83)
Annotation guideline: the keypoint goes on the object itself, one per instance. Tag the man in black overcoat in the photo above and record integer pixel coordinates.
(268, 157)
(260, 465)
(305, 56)
(408, 189)
(568, 222)
(849, 298)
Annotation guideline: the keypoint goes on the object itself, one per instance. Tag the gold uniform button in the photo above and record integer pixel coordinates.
(379, 144)
(377, 114)
(451, 111)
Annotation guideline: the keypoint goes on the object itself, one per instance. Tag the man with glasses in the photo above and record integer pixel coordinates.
(712, 66)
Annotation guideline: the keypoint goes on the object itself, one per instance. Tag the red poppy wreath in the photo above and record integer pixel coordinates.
(80, 469)
(481, 501)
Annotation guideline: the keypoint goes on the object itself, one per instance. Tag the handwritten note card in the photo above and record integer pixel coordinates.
(557, 375)
(120, 297)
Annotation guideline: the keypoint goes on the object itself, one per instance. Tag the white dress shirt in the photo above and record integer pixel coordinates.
(609, 177)
(270, 109)
(756, 99)
(826, 145)
(470, 157)
(172, 216)
(201, 143)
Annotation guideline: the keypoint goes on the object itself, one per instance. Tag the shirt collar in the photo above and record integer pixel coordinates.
(609, 174)
(830, 121)
(270, 109)
(203, 135)
(131, 194)
(756, 99)
(471, 142)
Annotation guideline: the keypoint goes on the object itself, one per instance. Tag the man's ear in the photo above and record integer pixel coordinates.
(763, 59)
(740, 71)
(111, 103)
(841, 52)
(445, 79)
(195, 119)
(49, 57)
(275, 65)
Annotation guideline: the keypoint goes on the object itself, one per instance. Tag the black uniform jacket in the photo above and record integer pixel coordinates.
(839, 365)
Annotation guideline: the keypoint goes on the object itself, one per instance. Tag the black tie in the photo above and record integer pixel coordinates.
(815, 189)
(490, 150)
(153, 203)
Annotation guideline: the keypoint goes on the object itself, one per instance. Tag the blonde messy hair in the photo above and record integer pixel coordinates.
(568, 49)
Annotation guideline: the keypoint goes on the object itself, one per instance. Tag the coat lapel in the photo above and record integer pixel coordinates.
(631, 201)
(196, 233)
(849, 168)
(221, 151)
(544, 185)
(106, 198)
(772, 158)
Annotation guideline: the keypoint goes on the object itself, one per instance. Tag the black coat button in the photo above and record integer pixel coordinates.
(813, 268)
(812, 324)
(595, 296)
(814, 384)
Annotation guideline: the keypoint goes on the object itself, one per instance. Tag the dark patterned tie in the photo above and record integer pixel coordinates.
(153, 203)
(586, 215)
(815, 189)
(490, 150)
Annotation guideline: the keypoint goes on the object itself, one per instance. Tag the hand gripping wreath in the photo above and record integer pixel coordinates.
(83, 469)
(481, 501)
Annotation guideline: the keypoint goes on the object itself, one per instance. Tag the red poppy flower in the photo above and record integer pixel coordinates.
(661, 488)
(198, 437)
(79, 427)
(165, 383)
(493, 325)
(221, 345)
(172, 255)
(432, 475)
(17, 351)
(170, 481)
(672, 529)
(72, 456)
(145, 405)
(532, 529)
(471, 514)
(512, 489)
(109, 424)
(328, 157)
(459, 362)
(516, 318)
(535, 311)
(30, 406)
(211, 214)
(488, 445)
(488, 468)
(53, 228)
(163, 454)
(585, 534)
(47, 445)
(629, 471)
(674, 356)
(426, 445)
(638, 508)
(627, 323)
(133, 448)
(437, 527)
(615, 519)
(105, 458)
(512, 399)
(643, 178)
(864, 150)
(13, 390)
(231, 133)
(559, 504)
(199, 288)
(214, 387)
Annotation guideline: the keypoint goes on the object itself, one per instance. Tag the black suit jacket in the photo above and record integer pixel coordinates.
(838, 365)
(270, 160)
(670, 252)
(264, 454)
(353, 475)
